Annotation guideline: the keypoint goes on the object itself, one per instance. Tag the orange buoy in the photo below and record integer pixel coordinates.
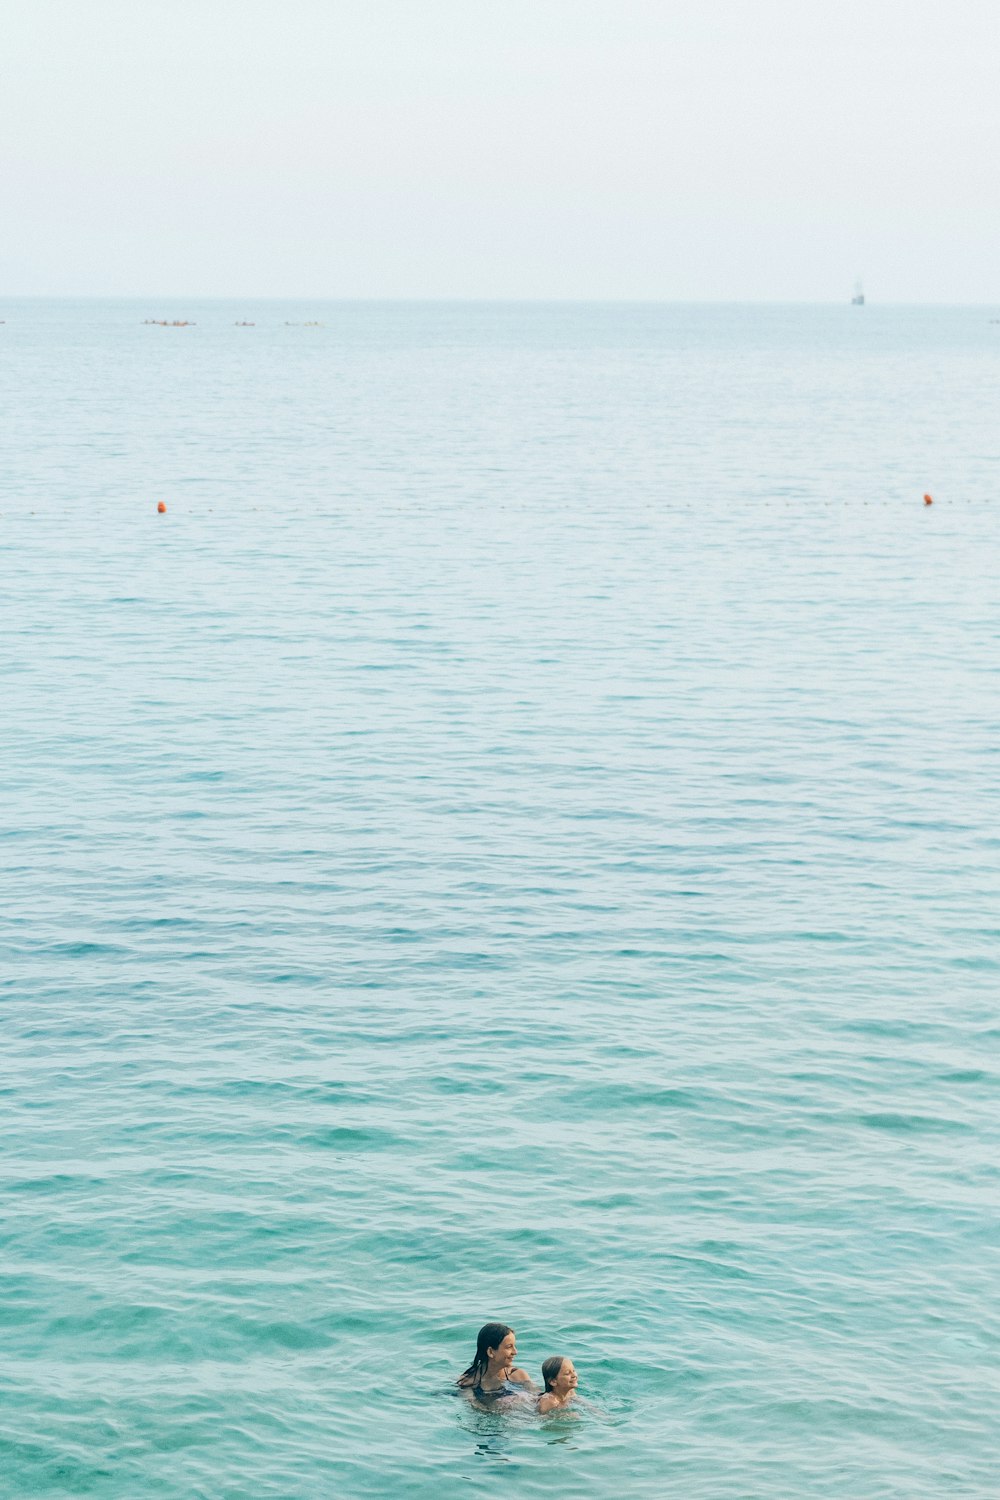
(162, 509)
(928, 499)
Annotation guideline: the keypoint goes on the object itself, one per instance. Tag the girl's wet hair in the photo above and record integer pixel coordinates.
(490, 1336)
(551, 1368)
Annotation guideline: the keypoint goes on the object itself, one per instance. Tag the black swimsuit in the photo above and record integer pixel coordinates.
(509, 1388)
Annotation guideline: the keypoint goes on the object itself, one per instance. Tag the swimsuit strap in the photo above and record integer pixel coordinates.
(507, 1389)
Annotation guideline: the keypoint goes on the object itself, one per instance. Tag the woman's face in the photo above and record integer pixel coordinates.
(504, 1357)
(565, 1381)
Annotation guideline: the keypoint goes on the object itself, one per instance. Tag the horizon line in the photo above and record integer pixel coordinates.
(450, 301)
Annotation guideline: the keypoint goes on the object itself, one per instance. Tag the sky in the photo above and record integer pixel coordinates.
(667, 150)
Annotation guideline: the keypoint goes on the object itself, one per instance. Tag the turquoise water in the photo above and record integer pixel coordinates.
(517, 839)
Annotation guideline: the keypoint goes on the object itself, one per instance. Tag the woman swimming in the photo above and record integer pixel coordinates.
(492, 1376)
(559, 1375)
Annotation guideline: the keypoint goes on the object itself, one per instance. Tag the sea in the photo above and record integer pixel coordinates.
(517, 838)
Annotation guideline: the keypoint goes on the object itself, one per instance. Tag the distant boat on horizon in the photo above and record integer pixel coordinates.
(858, 300)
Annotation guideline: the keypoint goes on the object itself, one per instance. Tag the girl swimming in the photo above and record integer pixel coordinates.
(493, 1376)
(559, 1375)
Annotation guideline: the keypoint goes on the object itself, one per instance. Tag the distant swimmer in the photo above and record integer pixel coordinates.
(560, 1379)
(492, 1376)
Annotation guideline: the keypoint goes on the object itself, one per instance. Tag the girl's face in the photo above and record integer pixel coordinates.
(565, 1381)
(503, 1357)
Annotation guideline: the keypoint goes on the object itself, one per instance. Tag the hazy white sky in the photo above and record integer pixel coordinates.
(666, 149)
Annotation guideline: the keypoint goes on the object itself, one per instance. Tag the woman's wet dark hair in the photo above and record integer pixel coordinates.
(551, 1368)
(490, 1336)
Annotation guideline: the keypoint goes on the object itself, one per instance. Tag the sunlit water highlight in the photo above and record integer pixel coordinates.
(517, 839)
